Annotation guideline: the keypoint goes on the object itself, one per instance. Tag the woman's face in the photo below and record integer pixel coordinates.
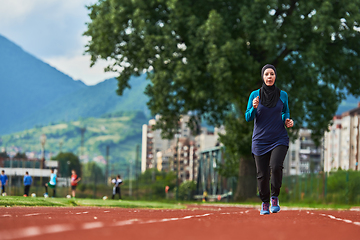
(269, 77)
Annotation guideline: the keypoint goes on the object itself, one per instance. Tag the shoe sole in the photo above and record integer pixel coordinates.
(275, 211)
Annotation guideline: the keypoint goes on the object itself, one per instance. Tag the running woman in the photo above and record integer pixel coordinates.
(268, 107)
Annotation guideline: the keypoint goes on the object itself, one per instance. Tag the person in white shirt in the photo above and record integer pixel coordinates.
(116, 189)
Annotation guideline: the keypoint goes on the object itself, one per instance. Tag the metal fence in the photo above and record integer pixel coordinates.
(339, 187)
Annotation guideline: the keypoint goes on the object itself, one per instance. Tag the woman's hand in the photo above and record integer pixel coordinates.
(256, 102)
(289, 123)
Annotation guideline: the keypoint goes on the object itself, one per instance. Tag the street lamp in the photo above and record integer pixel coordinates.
(42, 141)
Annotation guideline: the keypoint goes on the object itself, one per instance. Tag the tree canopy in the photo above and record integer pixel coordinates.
(205, 56)
(67, 162)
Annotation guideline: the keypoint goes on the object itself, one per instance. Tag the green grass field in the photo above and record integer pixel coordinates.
(9, 201)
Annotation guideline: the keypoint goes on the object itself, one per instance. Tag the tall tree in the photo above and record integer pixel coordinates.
(67, 162)
(205, 56)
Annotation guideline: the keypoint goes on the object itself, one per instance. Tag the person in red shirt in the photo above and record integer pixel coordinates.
(74, 181)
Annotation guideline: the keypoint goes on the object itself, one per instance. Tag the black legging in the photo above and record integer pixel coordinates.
(273, 161)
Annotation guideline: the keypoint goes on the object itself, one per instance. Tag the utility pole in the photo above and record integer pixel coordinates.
(82, 130)
(136, 170)
(42, 141)
(107, 165)
(130, 175)
(177, 168)
(60, 146)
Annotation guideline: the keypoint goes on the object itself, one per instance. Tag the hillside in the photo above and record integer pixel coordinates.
(27, 83)
(92, 101)
(120, 131)
(32, 93)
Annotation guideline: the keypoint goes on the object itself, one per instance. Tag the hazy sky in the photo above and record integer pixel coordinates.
(52, 31)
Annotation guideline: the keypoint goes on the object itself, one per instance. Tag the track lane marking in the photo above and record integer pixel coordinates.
(339, 219)
(31, 214)
(57, 228)
(92, 225)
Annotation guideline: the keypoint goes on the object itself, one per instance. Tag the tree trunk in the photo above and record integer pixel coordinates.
(246, 186)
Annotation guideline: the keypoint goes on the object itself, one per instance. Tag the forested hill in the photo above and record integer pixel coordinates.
(120, 131)
(92, 101)
(33, 93)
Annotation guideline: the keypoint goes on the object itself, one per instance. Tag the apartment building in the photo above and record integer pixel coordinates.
(178, 154)
(303, 155)
(158, 152)
(342, 142)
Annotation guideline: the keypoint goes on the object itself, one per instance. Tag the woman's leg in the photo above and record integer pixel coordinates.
(276, 164)
(263, 176)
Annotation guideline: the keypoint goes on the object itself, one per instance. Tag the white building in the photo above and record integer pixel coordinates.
(303, 156)
(342, 142)
(177, 154)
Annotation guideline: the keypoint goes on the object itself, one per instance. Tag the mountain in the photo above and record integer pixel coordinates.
(27, 84)
(33, 93)
(92, 101)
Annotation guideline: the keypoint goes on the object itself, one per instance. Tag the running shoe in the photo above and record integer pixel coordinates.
(264, 208)
(275, 205)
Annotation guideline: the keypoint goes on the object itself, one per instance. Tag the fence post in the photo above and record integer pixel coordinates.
(347, 187)
(325, 186)
(300, 187)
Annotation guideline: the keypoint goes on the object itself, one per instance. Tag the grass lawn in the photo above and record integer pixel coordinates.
(64, 202)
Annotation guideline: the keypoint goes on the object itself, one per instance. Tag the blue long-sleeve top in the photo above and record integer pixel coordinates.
(27, 180)
(269, 130)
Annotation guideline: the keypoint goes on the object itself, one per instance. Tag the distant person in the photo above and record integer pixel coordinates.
(27, 183)
(74, 181)
(116, 189)
(4, 181)
(268, 107)
(51, 184)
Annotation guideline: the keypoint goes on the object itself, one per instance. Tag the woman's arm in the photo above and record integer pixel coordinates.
(285, 110)
(250, 110)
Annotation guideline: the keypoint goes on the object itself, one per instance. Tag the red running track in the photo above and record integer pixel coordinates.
(195, 222)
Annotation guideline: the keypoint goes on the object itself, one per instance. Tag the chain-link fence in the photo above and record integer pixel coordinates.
(340, 187)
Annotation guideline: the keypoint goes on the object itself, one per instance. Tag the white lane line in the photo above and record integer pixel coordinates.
(124, 223)
(92, 225)
(6, 215)
(35, 231)
(106, 211)
(57, 228)
(31, 214)
(340, 219)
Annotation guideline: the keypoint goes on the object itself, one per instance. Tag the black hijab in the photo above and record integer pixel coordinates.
(269, 95)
